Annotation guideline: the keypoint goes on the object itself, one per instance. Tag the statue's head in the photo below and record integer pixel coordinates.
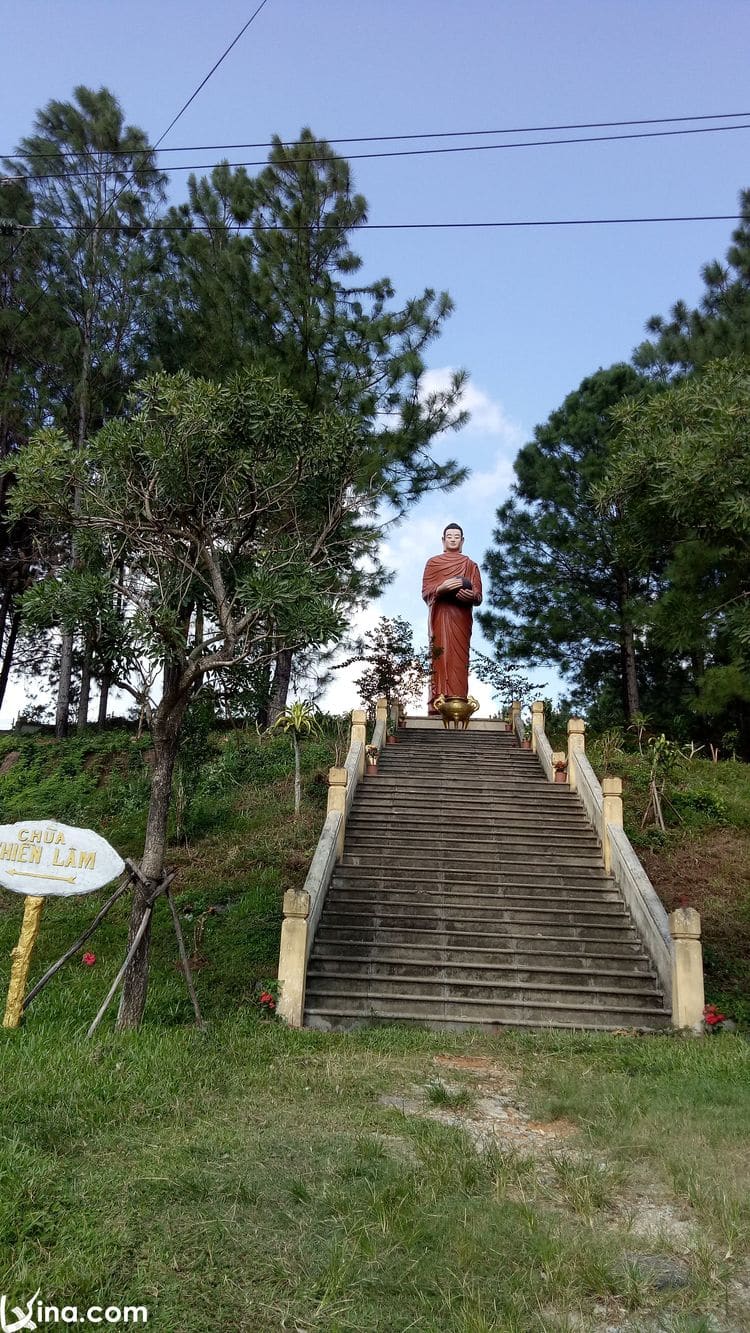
(453, 537)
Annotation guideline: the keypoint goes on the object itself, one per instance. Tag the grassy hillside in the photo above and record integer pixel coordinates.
(239, 848)
(702, 857)
(255, 1179)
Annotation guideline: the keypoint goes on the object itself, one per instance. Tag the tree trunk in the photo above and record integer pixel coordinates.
(631, 703)
(85, 693)
(280, 685)
(5, 607)
(8, 654)
(297, 776)
(166, 735)
(630, 696)
(63, 689)
(103, 701)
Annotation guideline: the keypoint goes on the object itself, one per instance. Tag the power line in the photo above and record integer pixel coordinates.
(410, 152)
(405, 226)
(212, 70)
(164, 134)
(395, 138)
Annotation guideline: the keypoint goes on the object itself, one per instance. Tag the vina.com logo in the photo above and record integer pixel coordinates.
(37, 1314)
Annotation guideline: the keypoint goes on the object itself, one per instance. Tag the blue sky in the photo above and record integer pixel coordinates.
(536, 310)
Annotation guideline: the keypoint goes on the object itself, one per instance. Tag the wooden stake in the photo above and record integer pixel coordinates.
(185, 960)
(21, 955)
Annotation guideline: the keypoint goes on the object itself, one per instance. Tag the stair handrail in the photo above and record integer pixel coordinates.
(644, 905)
(672, 942)
(539, 742)
(381, 723)
(303, 907)
(516, 721)
(590, 793)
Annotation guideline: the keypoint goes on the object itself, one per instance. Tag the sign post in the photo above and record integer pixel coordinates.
(40, 858)
(21, 955)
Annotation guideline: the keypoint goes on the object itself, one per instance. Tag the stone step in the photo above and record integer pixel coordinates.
(402, 1005)
(440, 841)
(432, 934)
(520, 873)
(455, 860)
(365, 987)
(483, 974)
(573, 956)
(462, 898)
(415, 917)
(337, 1018)
(366, 816)
(549, 799)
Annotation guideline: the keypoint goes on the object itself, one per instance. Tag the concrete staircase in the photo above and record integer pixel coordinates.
(472, 893)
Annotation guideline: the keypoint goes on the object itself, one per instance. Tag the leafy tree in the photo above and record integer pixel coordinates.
(568, 578)
(283, 293)
(719, 327)
(93, 184)
(395, 668)
(683, 463)
(219, 497)
(298, 719)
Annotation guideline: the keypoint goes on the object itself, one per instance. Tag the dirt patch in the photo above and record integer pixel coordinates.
(8, 761)
(712, 873)
(492, 1116)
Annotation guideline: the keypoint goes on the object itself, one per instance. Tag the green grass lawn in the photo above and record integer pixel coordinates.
(250, 1178)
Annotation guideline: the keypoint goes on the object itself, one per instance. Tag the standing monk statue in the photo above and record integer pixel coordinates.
(451, 586)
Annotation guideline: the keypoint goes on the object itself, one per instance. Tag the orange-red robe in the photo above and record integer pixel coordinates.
(450, 623)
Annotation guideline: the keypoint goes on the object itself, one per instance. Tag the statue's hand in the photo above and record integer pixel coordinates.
(450, 585)
(465, 595)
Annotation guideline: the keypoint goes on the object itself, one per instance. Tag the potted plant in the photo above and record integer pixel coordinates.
(391, 737)
(561, 768)
(371, 760)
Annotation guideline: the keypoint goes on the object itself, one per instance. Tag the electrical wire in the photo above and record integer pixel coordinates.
(202, 228)
(395, 138)
(409, 152)
(212, 70)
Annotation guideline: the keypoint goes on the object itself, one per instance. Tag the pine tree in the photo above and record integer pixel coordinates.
(283, 294)
(565, 582)
(720, 326)
(93, 184)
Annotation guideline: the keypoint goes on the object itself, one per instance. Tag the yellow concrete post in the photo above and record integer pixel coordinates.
(337, 802)
(688, 995)
(293, 957)
(21, 956)
(359, 733)
(537, 721)
(515, 709)
(576, 745)
(611, 814)
(394, 712)
(381, 709)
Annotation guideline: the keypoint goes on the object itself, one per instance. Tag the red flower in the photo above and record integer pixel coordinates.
(711, 1015)
(89, 959)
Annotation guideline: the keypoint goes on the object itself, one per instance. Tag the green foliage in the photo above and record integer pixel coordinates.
(683, 461)
(565, 584)
(720, 326)
(395, 668)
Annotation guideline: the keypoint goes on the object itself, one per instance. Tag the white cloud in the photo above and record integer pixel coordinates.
(488, 415)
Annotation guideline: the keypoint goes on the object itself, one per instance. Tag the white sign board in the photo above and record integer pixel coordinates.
(44, 858)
